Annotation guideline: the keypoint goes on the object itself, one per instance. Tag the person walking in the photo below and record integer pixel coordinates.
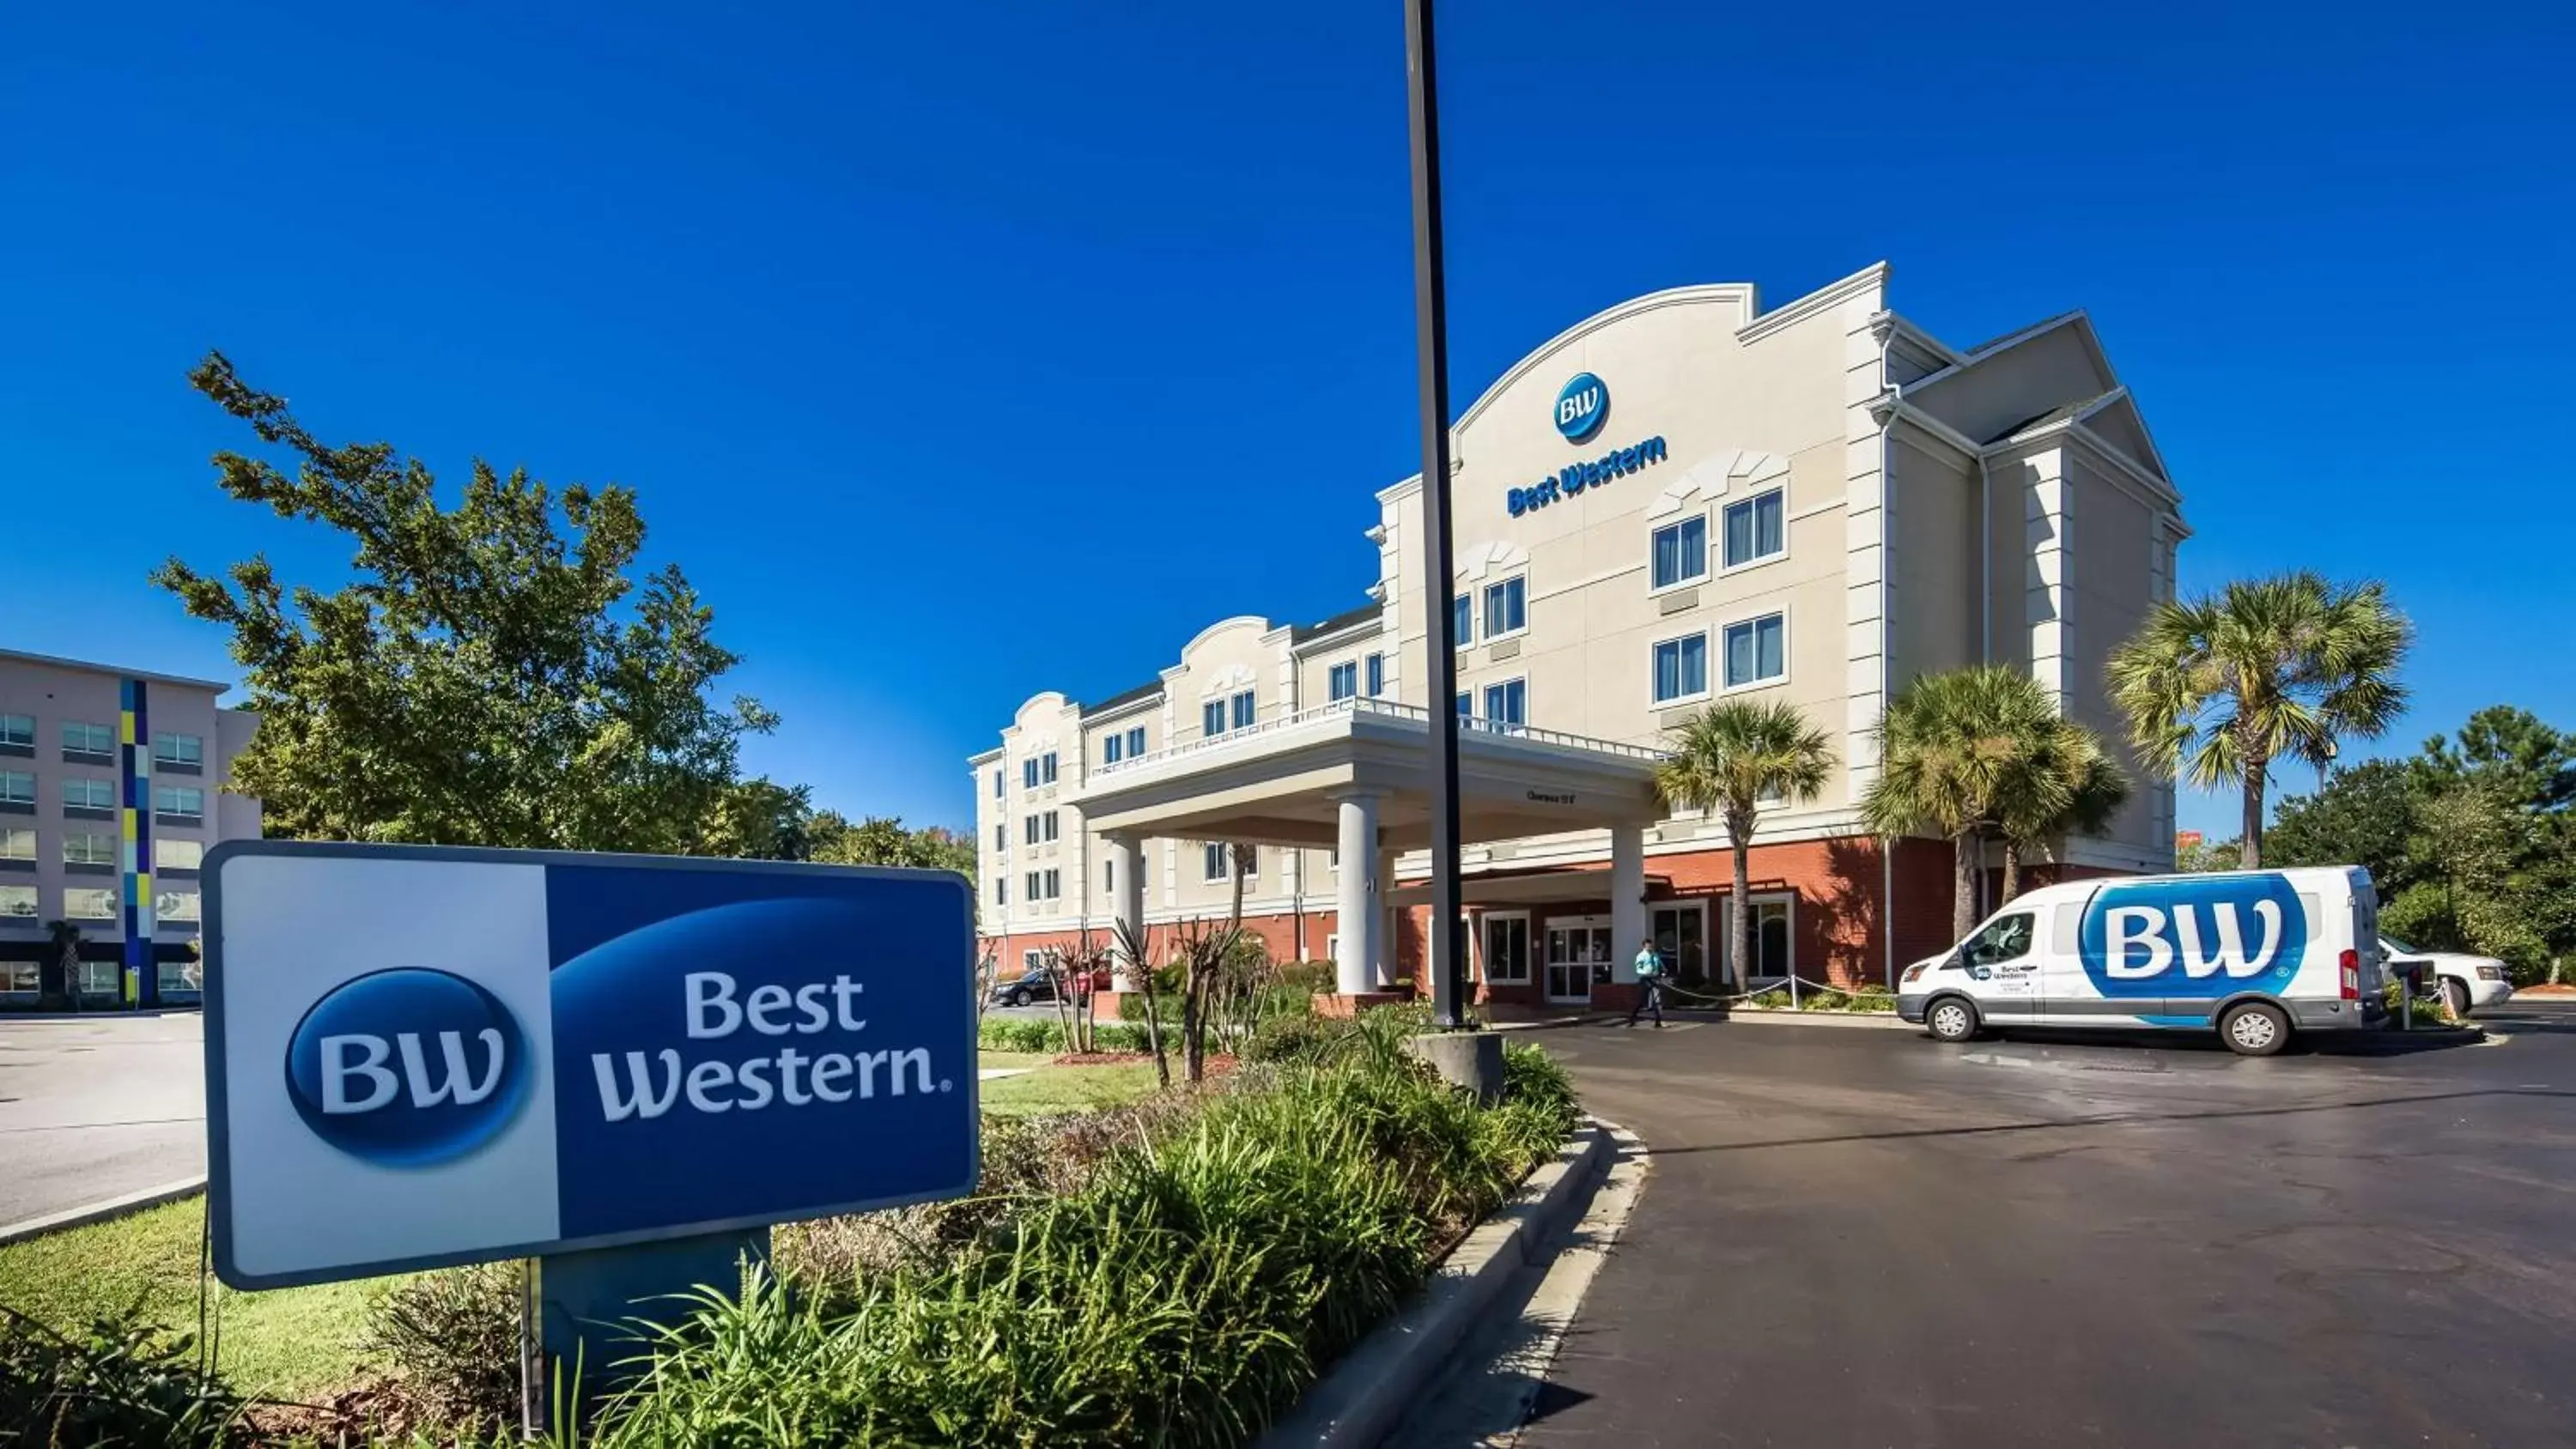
(1650, 984)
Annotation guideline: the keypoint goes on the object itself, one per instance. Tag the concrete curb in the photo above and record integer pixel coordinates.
(97, 1212)
(1368, 1393)
(1781, 1016)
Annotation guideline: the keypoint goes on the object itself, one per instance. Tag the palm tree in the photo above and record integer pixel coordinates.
(1731, 758)
(2267, 669)
(2070, 786)
(1950, 748)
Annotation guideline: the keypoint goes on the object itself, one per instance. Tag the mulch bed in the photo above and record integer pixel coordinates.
(1216, 1065)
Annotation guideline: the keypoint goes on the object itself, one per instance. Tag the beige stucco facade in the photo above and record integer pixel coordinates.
(1901, 506)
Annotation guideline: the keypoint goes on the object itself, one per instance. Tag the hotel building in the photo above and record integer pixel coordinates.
(1681, 499)
(111, 792)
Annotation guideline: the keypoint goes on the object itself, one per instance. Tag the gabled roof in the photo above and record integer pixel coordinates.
(1348, 618)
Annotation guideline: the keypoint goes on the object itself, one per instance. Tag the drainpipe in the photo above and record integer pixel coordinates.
(1894, 392)
(1985, 561)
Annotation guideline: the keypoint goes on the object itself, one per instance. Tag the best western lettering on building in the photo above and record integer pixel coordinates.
(1681, 499)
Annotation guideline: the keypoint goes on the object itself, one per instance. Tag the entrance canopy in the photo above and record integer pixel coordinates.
(1280, 782)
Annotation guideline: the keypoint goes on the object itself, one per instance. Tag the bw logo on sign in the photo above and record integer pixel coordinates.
(407, 1067)
(1582, 406)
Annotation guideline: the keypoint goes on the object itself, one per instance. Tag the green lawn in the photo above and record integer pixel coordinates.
(990, 1061)
(1067, 1089)
(291, 1343)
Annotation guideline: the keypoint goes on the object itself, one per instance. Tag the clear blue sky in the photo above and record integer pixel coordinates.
(899, 315)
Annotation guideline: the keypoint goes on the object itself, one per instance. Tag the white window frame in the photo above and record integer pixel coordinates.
(1113, 748)
(193, 754)
(86, 891)
(1049, 830)
(1135, 742)
(87, 795)
(1374, 676)
(1772, 681)
(1682, 581)
(1211, 860)
(1333, 947)
(1002, 889)
(101, 843)
(1707, 673)
(1342, 681)
(1212, 726)
(1495, 722)
(1753, 501)
(998, 777)
(1494, 593)
(91, 731)
(1033, 961)
(1463, 604)
(1029, 829)
(1031, 883)
(1046, 768)
(1485, 956)
(1726, 918)
(1054, 883)
(1243, 710)
(1029, 773)
(158, 841)
(8, 781)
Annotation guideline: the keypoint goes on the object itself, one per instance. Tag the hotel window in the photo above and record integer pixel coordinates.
(1754, 529)
(89, 903)
(88, 739)
(182, 975)
(1054, 884)
(1001, 890)
(168, 854)
(1507, 704)
(17, 900)
(1756, 651)
(1376, 675)
(1048, 822)
(88, 795)
(1046, 768)
(1212, 858)
(1031, 882)
(1244, 707)
(19, 976)
(1109, 876)
(175, 905)
(1774, 953)
(1001, 836)
(1136, 742)
(84, 847)
(178, 750)
(1028, 830)
(17, 787)
(1681, 668)
(18, 730)
(1112, 748)
(1462, 621)
(1028, 774)
(1681, 551)
(1212, 718)
(1342, 683)
(17, 845)
(1466, 704)
(997, 784)
(1506, 607)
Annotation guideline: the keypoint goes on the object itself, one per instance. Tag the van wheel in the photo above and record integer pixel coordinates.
(2256, 1029)
(1951, 1019)
(2455, 994)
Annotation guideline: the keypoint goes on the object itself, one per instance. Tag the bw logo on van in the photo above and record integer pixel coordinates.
(407, 1067)
(2194, 938)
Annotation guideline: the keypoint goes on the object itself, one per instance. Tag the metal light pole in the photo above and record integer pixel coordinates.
(1439, 576)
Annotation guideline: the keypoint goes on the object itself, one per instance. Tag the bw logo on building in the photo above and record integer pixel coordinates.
(1582, 406)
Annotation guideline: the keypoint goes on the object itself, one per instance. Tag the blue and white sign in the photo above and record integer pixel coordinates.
(2175, 939)
(420, 1056)
(1582, 406)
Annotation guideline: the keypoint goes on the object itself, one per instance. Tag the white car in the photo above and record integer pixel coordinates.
(2468, 982)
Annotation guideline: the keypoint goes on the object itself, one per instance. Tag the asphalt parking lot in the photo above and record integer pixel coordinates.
(1861, 1237)
(96, 1107)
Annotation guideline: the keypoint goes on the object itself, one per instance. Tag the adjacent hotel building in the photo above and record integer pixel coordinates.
(111, 792)
(1680, 499)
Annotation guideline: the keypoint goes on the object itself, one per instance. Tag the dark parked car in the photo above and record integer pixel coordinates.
(1035, 986)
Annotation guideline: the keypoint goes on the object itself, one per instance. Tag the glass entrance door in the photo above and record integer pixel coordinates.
(1578, 952)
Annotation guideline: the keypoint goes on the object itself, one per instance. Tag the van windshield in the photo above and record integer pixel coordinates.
(2398, 946)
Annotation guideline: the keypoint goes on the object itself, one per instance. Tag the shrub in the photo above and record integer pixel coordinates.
(1533, 1078)
(1003, 1034)
(120, 1382)
(1133, 1007)
(451, 1339)
(1183, 1294)
(1311, 977)
(1823, 998)
(1873, 997)
(1775, 999)
(1287, 1038)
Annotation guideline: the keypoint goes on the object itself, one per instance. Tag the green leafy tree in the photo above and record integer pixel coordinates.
(2069, 785)
(1950, 748)
(492, 676)
(760, 819)
(2203, 856)
(1730, 759)
(886, 840)
(2219, 687)
(2509, 752)
(2365, 816)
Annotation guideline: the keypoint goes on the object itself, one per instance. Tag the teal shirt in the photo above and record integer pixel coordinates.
(1649, 965)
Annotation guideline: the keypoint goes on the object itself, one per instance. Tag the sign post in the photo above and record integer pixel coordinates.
(624, 1067)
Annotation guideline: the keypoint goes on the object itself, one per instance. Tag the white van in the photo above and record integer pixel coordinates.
(2252, 954)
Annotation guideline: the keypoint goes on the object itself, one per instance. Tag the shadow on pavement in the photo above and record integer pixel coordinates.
(2116, 1119)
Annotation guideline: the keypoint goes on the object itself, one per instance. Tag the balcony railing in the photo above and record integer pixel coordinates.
(1376, 708)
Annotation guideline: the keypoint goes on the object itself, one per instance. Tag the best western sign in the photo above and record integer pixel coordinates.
(419, 1056)
(1582, 405)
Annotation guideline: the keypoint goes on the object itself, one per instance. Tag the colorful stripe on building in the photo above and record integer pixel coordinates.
(134, 749)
